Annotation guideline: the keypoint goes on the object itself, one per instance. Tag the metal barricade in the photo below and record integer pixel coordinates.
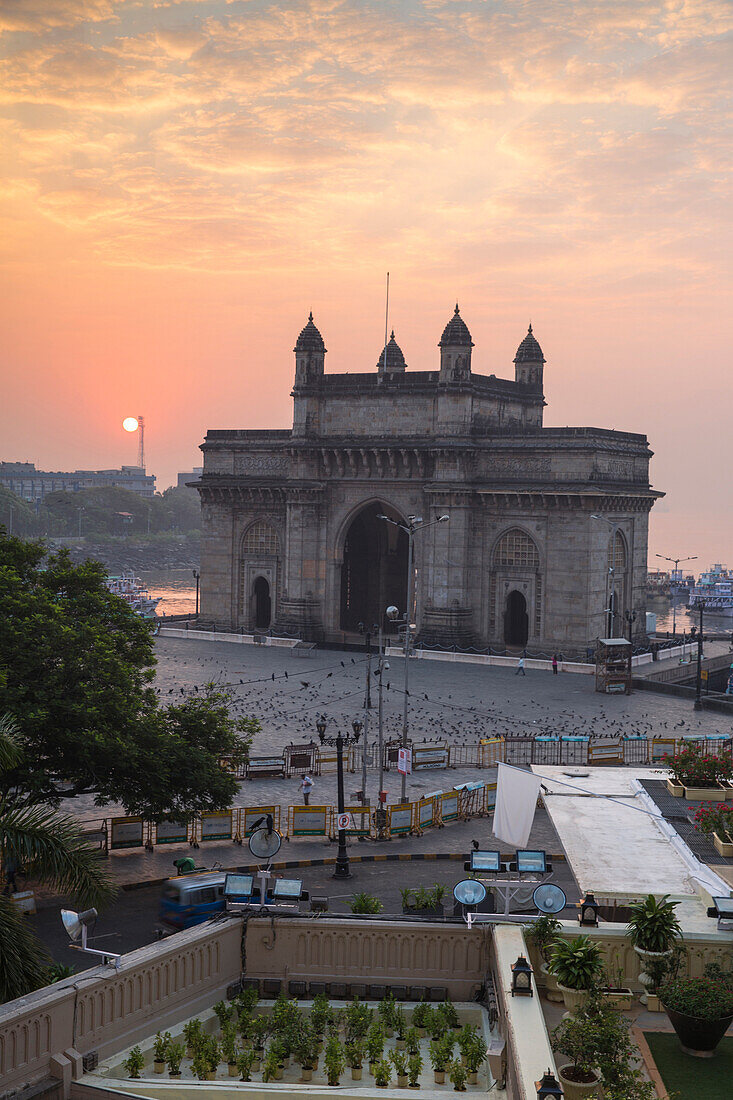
(609, 752)
(518, 750)
(574, 749)
(309, 821)
(126, 832)
(448, 807)
(400, 819)
(216, 825)
(661, 747)
(635, 748)
(490, 751)
(248, 815)
(546, 749)
(171, 832)
(265, 767)
(300, 759)
(425, 814)
(361, 818)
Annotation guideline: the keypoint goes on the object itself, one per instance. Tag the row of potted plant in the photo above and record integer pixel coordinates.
(423, 901)
(715, 820)
(698, 775)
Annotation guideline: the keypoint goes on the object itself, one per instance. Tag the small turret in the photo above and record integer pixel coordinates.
(455, 350)
(395, 358)
(529, 362)
(310, 353)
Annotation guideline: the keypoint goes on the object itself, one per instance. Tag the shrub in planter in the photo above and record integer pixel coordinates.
(200, 1065)
(334, 1061)
(357, 1018)
(134, 1062)
(365, 903)
(474, 1056)
(414, 1069)
(421, 1014)
(465, 1038)
(245, 1061)
(387, 1008)
(160, 1050)
(355, 1057)
(700, 1009)
(441, 1052)
(382, 1073)
(193, 1033)
(653, 925)
(448, 1011)
(398, 1058)
(246, 1000)
(375, 1042)
(542, 934)
(576, 1039)
(174, 1057)
(400, 1025)
(223, 1013)
(578, 965)
(693, 767)
(412, 1041)
(598, 1043)
(270, 1067)
(715, 819)
(229, 1046)
(321, 1013)
(458, 1075)
(259, 1029)
(305, 1050)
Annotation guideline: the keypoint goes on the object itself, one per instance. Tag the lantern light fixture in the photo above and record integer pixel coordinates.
(522, 978)
(588, 911)
(548, 1088)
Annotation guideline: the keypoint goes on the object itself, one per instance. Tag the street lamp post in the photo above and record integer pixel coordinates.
(367, 708)
(698, 678)
(676, 563)
(612, 570)
(413, 525)
(197, 577)
(342, 869)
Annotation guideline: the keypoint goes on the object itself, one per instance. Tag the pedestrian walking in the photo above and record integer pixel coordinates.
(554, 664)
(520, 667)
(306, 786)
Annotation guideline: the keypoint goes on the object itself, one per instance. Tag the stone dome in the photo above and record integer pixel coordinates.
(529, 351)
(310, 338)
(395, 358)
(456, 332)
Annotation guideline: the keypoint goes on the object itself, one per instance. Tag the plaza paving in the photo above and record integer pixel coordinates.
(454, 702)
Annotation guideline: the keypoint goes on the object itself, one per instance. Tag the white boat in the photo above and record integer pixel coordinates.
(135, 594)
(714, 591)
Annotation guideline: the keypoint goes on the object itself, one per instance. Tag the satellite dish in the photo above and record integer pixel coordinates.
(469, 892)
(264, 845)
(549, 898)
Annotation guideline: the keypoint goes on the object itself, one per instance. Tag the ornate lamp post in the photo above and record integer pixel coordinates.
(197, 577)
(342, 858)
(677, 576)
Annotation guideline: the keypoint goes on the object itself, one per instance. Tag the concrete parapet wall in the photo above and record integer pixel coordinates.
(223, 636)
(486, 659)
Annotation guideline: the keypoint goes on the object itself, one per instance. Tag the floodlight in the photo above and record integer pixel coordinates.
(238, 886)
(486, 861)
(549, 898)
(287, 889)
(264, 844)
(469, 892)
(75, 923)
(531, 860)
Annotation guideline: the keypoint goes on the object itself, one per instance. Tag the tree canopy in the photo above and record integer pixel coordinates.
(76, 673)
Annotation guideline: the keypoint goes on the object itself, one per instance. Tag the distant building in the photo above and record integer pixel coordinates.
(23, 479)
(188, 476)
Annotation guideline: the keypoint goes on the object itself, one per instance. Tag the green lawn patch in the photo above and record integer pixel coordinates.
(684, 1075)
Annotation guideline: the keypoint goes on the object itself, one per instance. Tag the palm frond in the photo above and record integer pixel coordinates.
(23, 959)
(10, 751)
(52, 848)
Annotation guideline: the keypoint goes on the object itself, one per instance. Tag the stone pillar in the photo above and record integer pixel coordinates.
(301, 607)
(442, 554)
(218, 595)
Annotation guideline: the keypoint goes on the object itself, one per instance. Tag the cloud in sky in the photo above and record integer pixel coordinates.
(568, 159)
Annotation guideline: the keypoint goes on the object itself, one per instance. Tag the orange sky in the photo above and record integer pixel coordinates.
(183, 181)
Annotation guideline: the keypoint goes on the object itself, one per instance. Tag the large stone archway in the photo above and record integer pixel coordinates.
(373, 569)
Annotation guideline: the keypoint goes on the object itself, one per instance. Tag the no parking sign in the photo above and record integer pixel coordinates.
(404, 761)
(344, 821)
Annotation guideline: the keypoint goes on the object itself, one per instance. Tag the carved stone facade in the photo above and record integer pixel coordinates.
(293, 540)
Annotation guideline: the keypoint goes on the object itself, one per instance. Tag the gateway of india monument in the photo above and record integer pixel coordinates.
(292, 535)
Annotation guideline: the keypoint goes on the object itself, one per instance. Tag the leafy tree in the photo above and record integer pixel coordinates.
(76, 669)
(50, 848)
(24, 519)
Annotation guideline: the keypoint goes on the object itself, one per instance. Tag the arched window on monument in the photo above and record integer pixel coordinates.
(616, 587)
(516, 554)
(258, 575)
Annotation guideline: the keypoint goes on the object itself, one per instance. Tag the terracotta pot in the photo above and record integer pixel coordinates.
(211, 1076)
(356, 1073)
(677, 790)
(723, 847)
(439, 1075)
(698, 1037)
(551, 990)
(576, 1090)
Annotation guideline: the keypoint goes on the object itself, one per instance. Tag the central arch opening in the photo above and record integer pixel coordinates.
(263, 603)
(374, 569)
(516, 619)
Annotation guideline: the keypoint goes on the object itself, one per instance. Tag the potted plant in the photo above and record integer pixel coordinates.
(699, 1009)
(474, 1057)
(270, 1067)
(200, 1065)
(448, 1011)
(334, 1061)
(357, 1018)
(382, 1073)
(576, 1039)
(716, 820)
(192, 1033)
(421, 1013)
(212, 1055)
(412, 1041)
(465, 1037)
(245, 1060)
(400, 1027)
(653, 930)
(615, 992)
(366, 903)
(355, 1057)
(174, 1057)
(414, 1069)
(541, 934)
(229, 1047)
(398, 1058)
(223, 1013)
(458, 1075)
(441, 1052)
(577, 964)
(387, 1009)
(160, 1051)
(259, 1029)
(306, 1053)
(375, 1043)
(134, 1062)
(700, 773)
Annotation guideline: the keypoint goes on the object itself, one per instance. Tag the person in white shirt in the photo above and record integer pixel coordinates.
(306, 786)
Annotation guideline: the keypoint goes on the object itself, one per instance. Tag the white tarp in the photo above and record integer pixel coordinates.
(516, 798)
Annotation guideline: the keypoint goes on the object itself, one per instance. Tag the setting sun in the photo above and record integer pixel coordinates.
(130, 424)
